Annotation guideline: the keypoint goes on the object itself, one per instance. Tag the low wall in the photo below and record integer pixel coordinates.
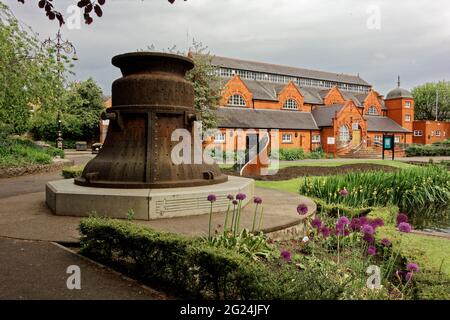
(10, 172)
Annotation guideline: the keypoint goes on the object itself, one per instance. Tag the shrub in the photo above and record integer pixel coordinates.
(201, 270)
(19, 152)
(441, 149)
(72, 172)
(292, 154)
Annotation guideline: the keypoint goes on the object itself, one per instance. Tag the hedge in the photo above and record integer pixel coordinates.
(427, 150)
(299, 154)
(72, 172)
(199, 270)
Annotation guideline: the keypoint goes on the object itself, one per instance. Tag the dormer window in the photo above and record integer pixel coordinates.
(236, 100)
(372, 111)
(290, 104)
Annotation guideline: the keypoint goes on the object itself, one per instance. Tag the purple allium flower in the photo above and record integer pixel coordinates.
(386, 242)
(286, 255)
(316, 223)
(367, 229)
(241, 196)
(413, 267)
(339, 230)
(346, 232)
(363, 221)
(343, 192)
(369, 238)
(235, 202)
(325, 231)
(340, 226)
(371, 250)
(409, 275)
(377, 222)
(355, 224)
(302, 209)
(404, 227)
(257, 200)
(230, 197)
(401, 217)
(212, 198)
(343, 220)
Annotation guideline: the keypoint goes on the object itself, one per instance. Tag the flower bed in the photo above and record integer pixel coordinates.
(408, 188)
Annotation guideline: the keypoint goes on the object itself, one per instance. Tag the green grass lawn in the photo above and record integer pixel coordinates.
(292, 185)
(285, 185)
(336, 163)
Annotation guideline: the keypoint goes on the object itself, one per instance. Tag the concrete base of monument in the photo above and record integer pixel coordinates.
(65, 198)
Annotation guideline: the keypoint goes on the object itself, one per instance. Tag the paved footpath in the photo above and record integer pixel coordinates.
(38, 270)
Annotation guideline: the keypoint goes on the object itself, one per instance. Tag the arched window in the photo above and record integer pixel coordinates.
(344, 134)
(236, 100)
(372, 111)
(290, 104)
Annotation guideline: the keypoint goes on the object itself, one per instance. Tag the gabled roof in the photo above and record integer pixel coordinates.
(383, 124)
(325, 114)
(286, 70)
(311, 95)
(247, 118)
(262, 90)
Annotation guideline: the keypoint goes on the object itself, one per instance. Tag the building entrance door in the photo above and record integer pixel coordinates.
(356, 137)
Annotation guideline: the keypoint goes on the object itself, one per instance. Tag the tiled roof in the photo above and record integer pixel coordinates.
(286, 70)
(325, 114)
(245, 118)
(383, 124)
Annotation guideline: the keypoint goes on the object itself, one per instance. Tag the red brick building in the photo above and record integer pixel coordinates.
(310, 107)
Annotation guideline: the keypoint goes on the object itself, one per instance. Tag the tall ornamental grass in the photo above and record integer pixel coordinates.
(409, 188)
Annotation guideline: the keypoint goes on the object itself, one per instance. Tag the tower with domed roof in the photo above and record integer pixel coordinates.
(400, 107)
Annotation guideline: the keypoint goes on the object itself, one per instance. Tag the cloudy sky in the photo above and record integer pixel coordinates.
(377, 39)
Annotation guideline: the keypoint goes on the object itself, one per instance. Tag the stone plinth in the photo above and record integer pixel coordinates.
(64, 197)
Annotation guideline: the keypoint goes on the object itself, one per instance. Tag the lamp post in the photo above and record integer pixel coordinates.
(60, 45)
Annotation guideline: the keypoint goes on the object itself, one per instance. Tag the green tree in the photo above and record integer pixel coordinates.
(425, 101)
(29, 75)
(80, 112)
(207, 85)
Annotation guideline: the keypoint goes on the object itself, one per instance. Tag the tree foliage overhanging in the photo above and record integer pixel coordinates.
(32, 91)
(29, 75)
(425, 101)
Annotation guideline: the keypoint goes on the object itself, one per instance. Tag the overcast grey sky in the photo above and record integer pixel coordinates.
(413, 38)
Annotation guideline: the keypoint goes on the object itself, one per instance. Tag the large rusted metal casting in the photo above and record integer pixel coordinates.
(149, 102)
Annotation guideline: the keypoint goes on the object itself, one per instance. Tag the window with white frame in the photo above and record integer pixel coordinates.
(377, 138)
(418, 133)
(286, 138)
(407, 117)
(372, 111)
(237, 100)
(438, 133)
(397, 139)
(219, 138)
(315, 138)
(344, 134)
(290, 104)
(432, 133)
(407, 104)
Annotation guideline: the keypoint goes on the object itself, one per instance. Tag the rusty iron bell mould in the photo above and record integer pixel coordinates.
(149, 102)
